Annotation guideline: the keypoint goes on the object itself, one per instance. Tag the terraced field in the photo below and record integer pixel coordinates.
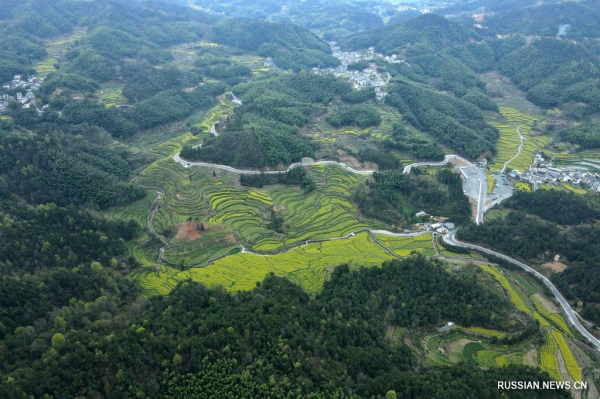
(570, 362)
(508, 143)
(484, 332)
(514, 295)
(308, 265)
(46, 67)
(570, 158)
(524, 300)
(216, 114)
(554, 318)
(56, 49)
(253, 62)
(110, 95)
(324, 133)
(512, 96)
(434, 355)
(458, 346)
(403, 246)
(573, 189)
(548, 360)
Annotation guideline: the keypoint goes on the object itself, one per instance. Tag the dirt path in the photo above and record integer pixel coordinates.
(518, 152)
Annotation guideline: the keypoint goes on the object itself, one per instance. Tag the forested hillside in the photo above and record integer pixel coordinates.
(127, 271)
(333, 18)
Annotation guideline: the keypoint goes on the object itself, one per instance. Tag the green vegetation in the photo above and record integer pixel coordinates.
(555, 72)
(360, 115)
(65, 171)
(404, 246)
(456, 123)
(531, 238)
(333, 19)
(561, 207)
(587, 135)
(309, 266)
(509, 141)
(391, 195)
(264, 130)
(276, 285)
(425, 33)
(290, 46)
(514, 296)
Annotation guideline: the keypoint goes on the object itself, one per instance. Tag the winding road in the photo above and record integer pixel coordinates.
(177, 158)
(188, 164)
(569, 312)
(479, 194)
(448, 238)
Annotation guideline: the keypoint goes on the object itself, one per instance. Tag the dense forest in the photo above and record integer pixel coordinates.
(290, 46)
(273, 341)
(537, 240)
(359, 115)
(423, 34)
(333, 18)
(264, 130)
(125, 81)
(55, 168)
(552, 71)
(587, 135)
(452, 121)
(557, 206)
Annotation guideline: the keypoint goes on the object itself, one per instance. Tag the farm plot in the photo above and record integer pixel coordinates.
(254, 62)
(511, 95)
(509, 141)
(324, 133)
(403, 246)
(555, 318)
(570, 362)
(571, 158)
(458, 347)
(484, 332)
(325, 213)
(309, 266)
(507, 359)
(46, 67)
(515, 297)
(110, 95)
(435, 356)
(548, 360)
(216, 114)
(56, 49)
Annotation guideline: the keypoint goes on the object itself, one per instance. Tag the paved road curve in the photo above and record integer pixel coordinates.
(450, 239)
(447, 158)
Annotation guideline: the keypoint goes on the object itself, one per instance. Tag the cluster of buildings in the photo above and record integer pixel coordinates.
(368, 77)
(543, 172)
(25, 91)
(441, 224)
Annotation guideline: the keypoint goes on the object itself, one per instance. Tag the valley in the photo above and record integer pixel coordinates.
(302, 199)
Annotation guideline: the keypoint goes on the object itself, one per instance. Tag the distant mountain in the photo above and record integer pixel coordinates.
(429, 31)
(333, 18)
(582, 20)
(290, 46)
(250, 34)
